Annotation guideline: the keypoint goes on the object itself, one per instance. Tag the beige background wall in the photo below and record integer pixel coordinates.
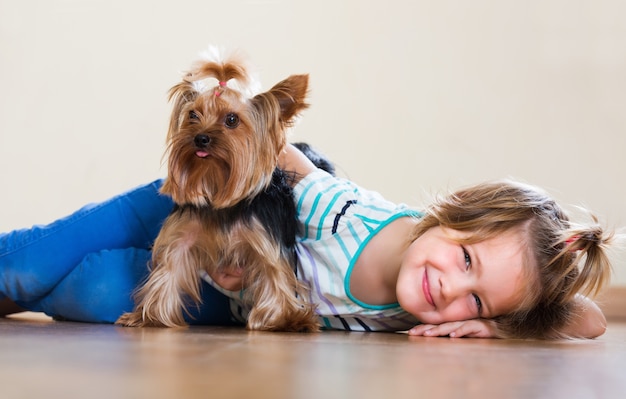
(410, 97)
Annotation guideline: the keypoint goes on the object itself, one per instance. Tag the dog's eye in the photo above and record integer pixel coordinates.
(193, 116)
(231, 121)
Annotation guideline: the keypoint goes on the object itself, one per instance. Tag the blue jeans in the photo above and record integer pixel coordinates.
(86, 266)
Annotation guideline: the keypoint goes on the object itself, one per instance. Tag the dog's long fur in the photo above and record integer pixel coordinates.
(235, 209)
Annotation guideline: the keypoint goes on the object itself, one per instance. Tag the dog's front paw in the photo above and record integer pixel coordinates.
(131, 319)
(138, 318)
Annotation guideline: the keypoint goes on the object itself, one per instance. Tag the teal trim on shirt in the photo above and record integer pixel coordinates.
(346, 281)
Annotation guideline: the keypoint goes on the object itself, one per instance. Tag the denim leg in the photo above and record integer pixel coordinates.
(101, 288)
(98, 290)
(35, 260)
(213, 311)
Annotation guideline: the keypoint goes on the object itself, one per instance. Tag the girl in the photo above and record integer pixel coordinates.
(495, 260)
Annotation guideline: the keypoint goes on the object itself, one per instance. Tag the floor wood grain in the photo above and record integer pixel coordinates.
(40, 358)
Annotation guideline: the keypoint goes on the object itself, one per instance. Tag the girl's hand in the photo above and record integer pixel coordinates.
(475, 328)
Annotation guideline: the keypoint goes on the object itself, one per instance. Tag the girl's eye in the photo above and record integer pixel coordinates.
(231, 120)
(193, 116)
(468, 264)
(479, 304)
(467, 258)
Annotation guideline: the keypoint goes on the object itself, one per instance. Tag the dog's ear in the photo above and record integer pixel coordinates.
(291, 94)
(180, 95)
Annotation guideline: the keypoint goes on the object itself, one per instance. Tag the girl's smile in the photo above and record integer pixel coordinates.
(426, 288)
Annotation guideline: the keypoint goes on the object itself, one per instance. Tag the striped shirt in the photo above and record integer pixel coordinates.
(337, 219)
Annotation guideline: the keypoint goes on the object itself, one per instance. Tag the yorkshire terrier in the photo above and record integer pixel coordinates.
(234, 212)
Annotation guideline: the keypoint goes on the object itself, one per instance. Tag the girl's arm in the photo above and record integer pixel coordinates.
(588, 321)
(293, 160)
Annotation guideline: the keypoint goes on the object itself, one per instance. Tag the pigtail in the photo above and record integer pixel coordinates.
(588, 246)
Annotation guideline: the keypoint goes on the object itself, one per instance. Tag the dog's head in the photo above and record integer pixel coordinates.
(223, 141)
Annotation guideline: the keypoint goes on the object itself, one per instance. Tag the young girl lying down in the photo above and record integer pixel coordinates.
(499, 259)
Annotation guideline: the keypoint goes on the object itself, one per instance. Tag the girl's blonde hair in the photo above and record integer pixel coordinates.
(562, 259)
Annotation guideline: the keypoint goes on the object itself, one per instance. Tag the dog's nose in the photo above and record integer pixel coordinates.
(202, 140)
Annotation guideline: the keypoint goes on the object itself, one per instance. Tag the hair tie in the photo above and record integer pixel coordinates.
(572, 240)
(218, 90)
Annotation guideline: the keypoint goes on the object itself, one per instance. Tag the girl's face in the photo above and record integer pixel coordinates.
(441, 280)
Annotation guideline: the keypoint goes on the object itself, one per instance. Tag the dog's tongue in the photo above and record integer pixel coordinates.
(202, 154)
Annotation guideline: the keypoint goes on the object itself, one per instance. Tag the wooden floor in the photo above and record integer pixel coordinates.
(40, 358)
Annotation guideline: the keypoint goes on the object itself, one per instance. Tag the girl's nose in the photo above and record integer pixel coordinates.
(454, 286)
